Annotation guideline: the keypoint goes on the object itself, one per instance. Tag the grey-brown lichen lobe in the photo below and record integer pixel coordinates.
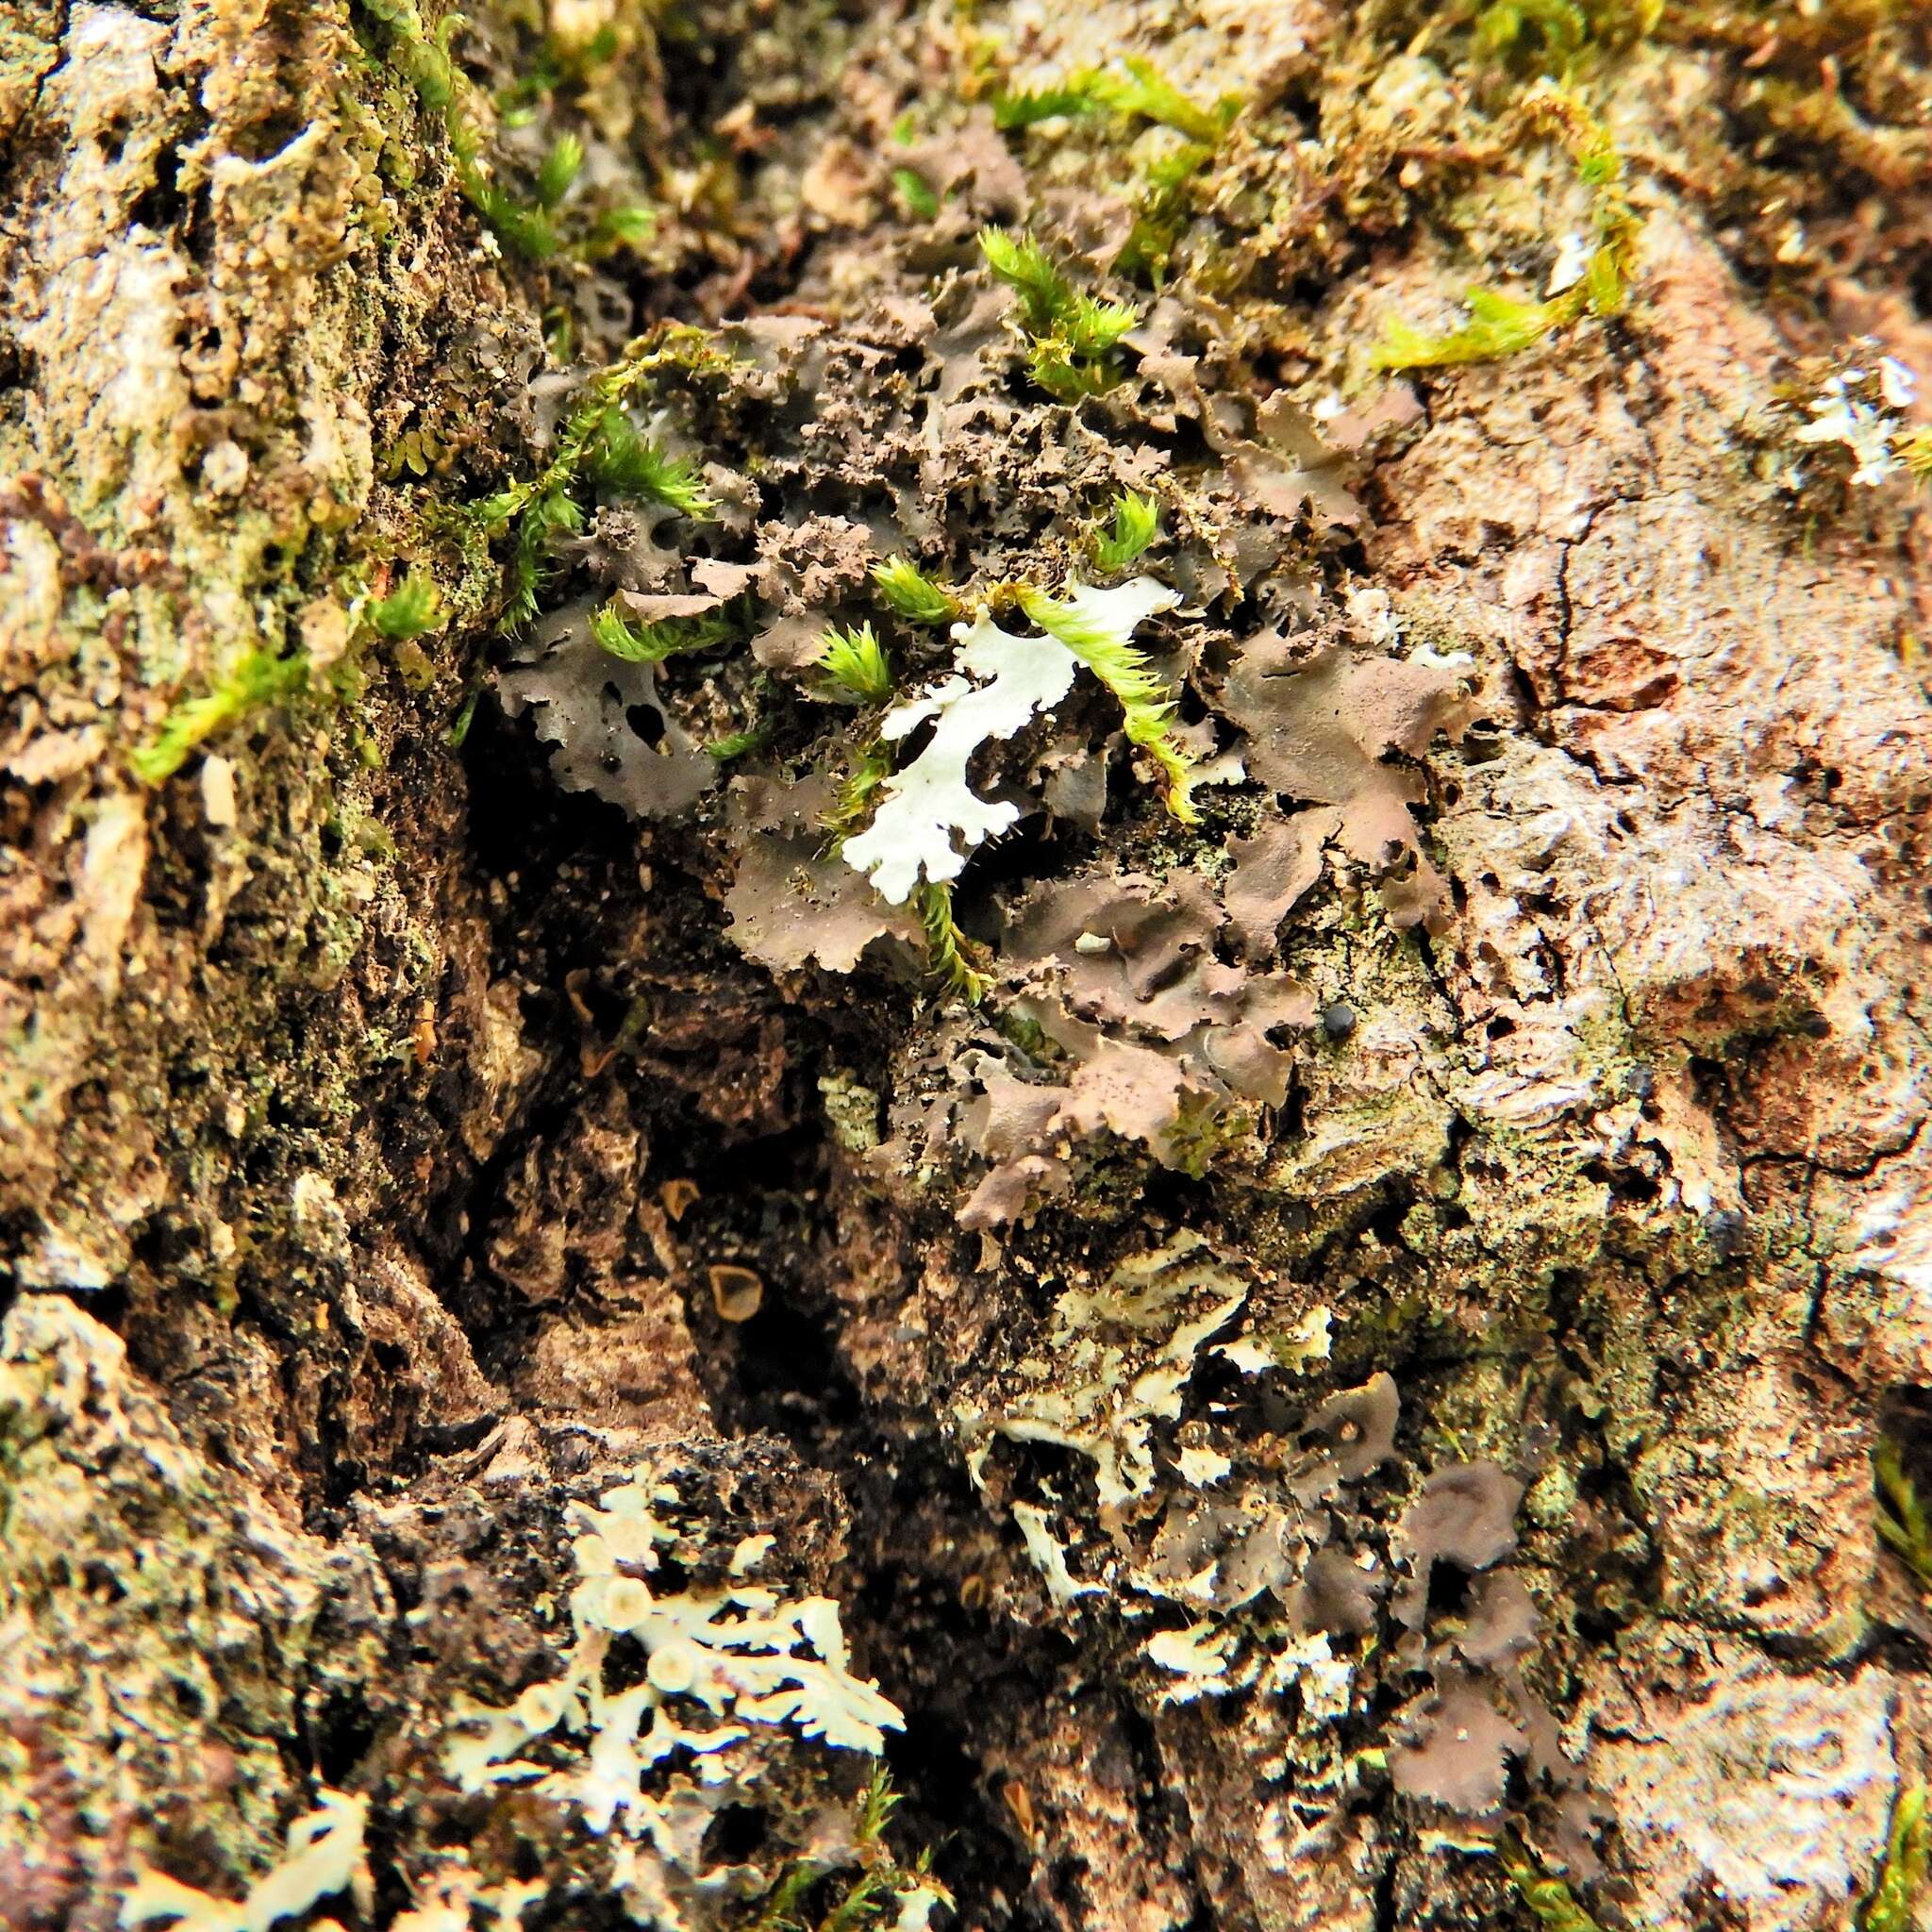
(395, 1113)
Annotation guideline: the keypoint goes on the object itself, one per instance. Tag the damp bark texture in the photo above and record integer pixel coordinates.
(1242, 1204)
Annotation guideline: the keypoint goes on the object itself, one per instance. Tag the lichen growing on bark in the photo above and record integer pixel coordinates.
(1343, 1389)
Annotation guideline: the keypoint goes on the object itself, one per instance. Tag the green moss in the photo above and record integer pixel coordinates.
(870, 769)
(651, 643)
(558, 172)
(414, 606)
(950, 956)
(258, 678)
(1892, 1905)
(1914, 450)
(1555, 36)
(1549, 1900)
(558, 65)
(855, 666)
(1029, 108)
(598, 447)
(1136, 529)
(1500, 325)
(739, 745)
(1136, 89)
(1139, 89)
(1137, 92)
(1902, 1523)
(421, 57)
(1075, 335)
(913, 595)
(818, 1898)
(1166, 202)
(1206, 1130)
(524, 223)
(922, 201)
(1147, 705)
(621, 459)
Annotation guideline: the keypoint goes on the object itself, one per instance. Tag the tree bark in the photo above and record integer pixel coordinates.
(377, 1111)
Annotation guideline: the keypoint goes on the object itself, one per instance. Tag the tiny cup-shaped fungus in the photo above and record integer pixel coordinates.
(737, 1294)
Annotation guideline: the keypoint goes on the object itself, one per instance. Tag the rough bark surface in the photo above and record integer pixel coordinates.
(378, 1111)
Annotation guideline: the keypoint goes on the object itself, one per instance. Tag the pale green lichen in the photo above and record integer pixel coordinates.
(741, 1655)
(1101, 1398)
(926, 818)
(324, 1855)
(852, 1109)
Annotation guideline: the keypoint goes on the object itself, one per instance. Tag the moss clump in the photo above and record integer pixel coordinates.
(412, 608)
(1147, 704)
(1076, 336)
(949, 954)
(257, 678)
(1136, 89)
(667, 637)
(1500, 325)
(881, 1896)
(1902, 1523)
(1892, 1906)
(599, 449)
(856, 667)
(1136, 528)
(912, 595)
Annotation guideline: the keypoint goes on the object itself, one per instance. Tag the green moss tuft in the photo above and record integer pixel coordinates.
(651, 643)
(1140, 90)
(258, 677)
(1075, 335)
(1500, 325)
(1551, 1903)
(1902, 1523)
(1136, 529)
(917, 192)
(949, 954)
(559, 170)
(855, 666)
(1892, 1906)
(624, 462)
(912, 595)
(1029, 108)
(1135, 89)
(850, 811)
(414, 606)
(1147, 706)
(598, 446)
